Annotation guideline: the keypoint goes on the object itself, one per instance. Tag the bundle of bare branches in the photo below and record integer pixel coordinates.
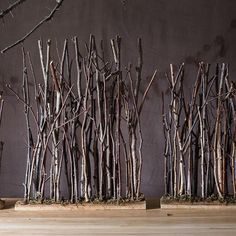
(200, 135)
(83, 125)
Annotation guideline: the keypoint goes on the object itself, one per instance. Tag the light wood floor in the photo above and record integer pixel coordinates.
(116, 222)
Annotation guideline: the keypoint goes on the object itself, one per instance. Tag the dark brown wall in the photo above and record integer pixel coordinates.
(172, 31)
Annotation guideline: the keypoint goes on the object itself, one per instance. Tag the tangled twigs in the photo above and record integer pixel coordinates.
(83, 118)
(200, 135)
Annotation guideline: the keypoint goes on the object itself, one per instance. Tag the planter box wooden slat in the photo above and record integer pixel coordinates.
(141, 205)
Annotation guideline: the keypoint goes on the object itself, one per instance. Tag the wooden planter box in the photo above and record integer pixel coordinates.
(139, 205)
(175, 204)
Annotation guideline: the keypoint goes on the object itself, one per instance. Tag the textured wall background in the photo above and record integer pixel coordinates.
(172, 32)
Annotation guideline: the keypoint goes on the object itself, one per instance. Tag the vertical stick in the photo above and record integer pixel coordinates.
(26, 98)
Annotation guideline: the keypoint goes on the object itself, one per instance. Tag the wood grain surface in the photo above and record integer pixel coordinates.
(154, 221)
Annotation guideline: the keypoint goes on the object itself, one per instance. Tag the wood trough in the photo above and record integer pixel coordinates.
(175, 204)
(139, 205)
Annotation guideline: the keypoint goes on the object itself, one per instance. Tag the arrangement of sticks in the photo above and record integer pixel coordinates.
(200, 134)
(83, 126)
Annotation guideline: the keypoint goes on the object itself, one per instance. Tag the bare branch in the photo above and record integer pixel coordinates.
(47, 18)
(10, 8)
(146, 91)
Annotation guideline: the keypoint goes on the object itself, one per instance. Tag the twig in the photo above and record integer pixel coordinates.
(47, 18)
(22, 100)
(10, 8)
(146, 91)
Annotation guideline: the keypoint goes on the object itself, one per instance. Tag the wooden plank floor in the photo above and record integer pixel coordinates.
(118, 222)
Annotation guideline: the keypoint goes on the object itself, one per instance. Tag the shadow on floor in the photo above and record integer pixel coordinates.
(152, 203)
(10, 202)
